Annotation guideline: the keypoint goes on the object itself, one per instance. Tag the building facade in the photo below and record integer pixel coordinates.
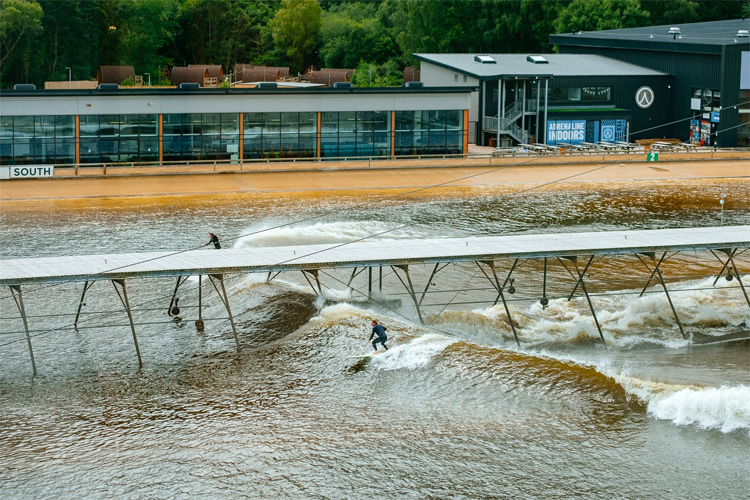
(553, 98)
(164, 125)
(710, 63)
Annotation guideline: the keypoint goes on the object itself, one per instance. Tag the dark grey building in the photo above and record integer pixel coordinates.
(554, 98)
(710, 63)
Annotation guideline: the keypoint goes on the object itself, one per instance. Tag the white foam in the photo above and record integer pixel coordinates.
(321, 233)
(723, 408)
(415, 354)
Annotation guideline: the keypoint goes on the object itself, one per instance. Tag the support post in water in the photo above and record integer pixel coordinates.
(126, 304)
(657, 272)
(81, 303)
(409, 287)
(580, 273)
(225, 299)
(499, 289)
(19, 304)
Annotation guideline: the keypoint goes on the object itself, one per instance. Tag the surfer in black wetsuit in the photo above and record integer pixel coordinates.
(214, 239)
(379, 331)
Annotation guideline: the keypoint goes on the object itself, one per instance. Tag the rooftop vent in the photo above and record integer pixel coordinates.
(189, 86)
(108, 86)
(266, 85)
(484, 59)
(414, 84)
(342, 85)
(24, 86)
(537, 59)
(674, 30)
(743, 34)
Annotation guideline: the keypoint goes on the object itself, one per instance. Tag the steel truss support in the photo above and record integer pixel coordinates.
(409, 287)
(656, 272)
(225, 299)
(314, 273)
(19, 304)
(81, 303)
(435, 270)
(731, 270)
(126, 305)
(582, 284)
(199, 324)
(496, 283)
(355, 273)
(508, 279)
(174, 309)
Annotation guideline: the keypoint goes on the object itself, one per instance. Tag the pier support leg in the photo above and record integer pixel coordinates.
(657, 273)
(732, 270)
(19, 304)
(582, 283)
(409, 287)
(314, 273)
(508, 279)
(499, 289)
(435, 270)
(199, 324)
(225, 299)
(174, 309)
(126, 304)
(81, 303)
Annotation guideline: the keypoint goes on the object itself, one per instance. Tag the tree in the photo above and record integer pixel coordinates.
(595, 15)
(374, 75)
(20, 23)
(70, 39)
(352, 33)
(296, 30)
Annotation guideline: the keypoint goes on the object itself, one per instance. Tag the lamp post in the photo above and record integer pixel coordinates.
(722, 208)
(69, 76)
(149, 79)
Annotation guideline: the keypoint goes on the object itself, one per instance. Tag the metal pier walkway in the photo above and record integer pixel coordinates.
(575, 251)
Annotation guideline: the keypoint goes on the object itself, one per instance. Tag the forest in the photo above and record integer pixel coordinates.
(43, 40)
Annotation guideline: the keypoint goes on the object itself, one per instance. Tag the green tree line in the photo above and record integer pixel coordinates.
(43, 40)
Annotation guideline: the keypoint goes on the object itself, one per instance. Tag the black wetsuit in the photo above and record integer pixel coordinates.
(379, 330)
(214, 240)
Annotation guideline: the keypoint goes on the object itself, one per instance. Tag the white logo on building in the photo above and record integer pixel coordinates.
(644, 97)
(608, 132)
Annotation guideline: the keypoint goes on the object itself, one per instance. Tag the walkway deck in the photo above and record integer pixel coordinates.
(368, 253)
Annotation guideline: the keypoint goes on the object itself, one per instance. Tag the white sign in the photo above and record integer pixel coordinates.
(695, 103)
(31, 171)
(644, 97)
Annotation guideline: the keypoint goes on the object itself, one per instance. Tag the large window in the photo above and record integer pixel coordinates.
(41, 140)
(355, 133)
(119, 138)
(201, 136)
(428, 132)
(280, 135)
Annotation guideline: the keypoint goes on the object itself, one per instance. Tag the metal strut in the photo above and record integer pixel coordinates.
(22, 310)
(657, 272)
(173, 309)
(732, 271)
(508, 279)
(580, 281)
(409, 287)
(225, 299)
(435, 270)
(499, 288)
(126, 304)
(314, 273)
(81, 303)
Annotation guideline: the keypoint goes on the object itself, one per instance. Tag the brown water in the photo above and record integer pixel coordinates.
(453, 410)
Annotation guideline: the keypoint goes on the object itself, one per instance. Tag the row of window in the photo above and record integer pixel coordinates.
(216, 136)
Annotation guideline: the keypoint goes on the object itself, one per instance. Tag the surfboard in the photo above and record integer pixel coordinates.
(368, 355)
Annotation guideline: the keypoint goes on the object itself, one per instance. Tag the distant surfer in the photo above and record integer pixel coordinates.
(378, 331)
(214, 239)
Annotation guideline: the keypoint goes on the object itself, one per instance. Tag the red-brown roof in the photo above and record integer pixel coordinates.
(114, 74)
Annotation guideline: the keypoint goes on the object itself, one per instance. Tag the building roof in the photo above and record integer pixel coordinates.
(522, 65)
(705, 36)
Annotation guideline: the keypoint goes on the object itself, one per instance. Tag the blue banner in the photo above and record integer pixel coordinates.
(567, 131)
